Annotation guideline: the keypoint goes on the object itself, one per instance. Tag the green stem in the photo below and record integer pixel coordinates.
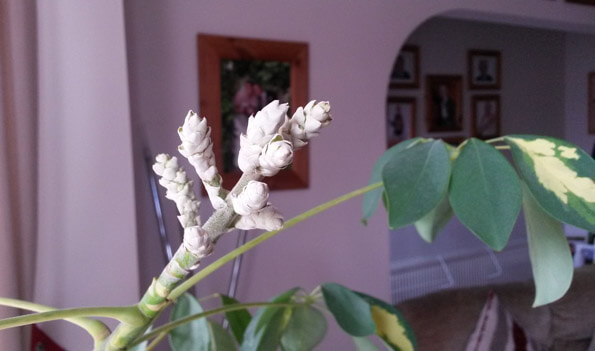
(156, 341)
(123, 314)
(503, 147)
(182, 288)
(95, 328)
(495, 140)
(166, 328)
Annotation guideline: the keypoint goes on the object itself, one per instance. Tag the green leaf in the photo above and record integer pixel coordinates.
(192, 336)
(221, 340)
(485, 193)
(305, 330)
(391, 325)
(351, 312)
(560, 177)
(371, 198)
(363, 344)
(431, 224)
(266, 327)
(238, 320)
(415, 181)
(551, 260)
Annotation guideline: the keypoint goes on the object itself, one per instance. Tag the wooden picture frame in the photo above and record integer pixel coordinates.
(400, 119)
(221, 57)
(405, 72)
(444, 103)
(484, 69)
(485, 116)
(591, 101)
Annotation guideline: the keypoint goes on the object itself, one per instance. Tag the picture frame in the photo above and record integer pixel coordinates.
(484, 69)
(405, 71)
(444, 103)
(591, 101)
(454, 140)
(400, 119)
(485, 116)
(235, 81)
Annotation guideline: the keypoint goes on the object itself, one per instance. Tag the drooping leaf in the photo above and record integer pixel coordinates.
(415, 181)
(351, 311)
(391, 325)
(305, 330)
(193, 336)
(485, 193)
(266, 327)
(363, 344)
(371, 198)
(221, 340)
(238, 320)
(560, 177)
(431, 224)
(550, 256)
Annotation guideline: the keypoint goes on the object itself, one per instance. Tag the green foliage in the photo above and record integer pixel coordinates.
(560, 177)
(485, 193)
(305, 330)
(220, 340)
(364, 344)
(193, 336)
(350, 310)
(431, 224)
(238, 320)
(391, 326)
(415, 181)
(549, 252)
(371, 198)
(266, 327)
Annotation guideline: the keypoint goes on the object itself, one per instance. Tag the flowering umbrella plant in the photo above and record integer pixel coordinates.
(421, 181)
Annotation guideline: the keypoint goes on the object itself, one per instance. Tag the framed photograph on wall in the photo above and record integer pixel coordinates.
(484, 69)
(591, 102)
(400, 119)
(405, 73)
(237, 77)
(444, 103)
(485, 116)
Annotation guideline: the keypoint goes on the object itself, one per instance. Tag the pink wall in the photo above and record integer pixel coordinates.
(87, 248)
(352, 47)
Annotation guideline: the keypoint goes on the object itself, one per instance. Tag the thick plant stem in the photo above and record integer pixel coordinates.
(156, 298)
(95, 328)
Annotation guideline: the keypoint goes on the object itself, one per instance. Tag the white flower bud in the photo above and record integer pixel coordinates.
(306, 123)
(268, 219)
(197, 242)
(252, 199)
(248, 155)
(275, 156)
(266, 123)
(179, 189)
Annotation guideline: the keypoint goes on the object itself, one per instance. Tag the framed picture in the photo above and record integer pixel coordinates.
(400, 119)
(237, 77)
(485, 116)
(405, 73)
(484, 69)
(454, 140)
(591, 102)
(444, 102)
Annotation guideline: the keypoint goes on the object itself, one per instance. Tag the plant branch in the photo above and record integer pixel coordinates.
(503, 147)
(494, 140)
(156, 341)
(95, 328)
(166, 328)
(178, 291)
(122, 314)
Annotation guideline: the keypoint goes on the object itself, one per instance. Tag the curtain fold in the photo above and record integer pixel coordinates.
(18, 159)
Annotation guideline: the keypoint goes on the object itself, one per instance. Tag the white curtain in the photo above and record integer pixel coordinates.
(18, 158)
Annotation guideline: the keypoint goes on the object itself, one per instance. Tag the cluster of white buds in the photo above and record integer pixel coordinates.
(179, 189)
(306, 122)
(197, 242)
(268, 219)
(271, 137)
(197, 147)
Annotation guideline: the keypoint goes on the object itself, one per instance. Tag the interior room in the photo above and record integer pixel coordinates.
(92, 91)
